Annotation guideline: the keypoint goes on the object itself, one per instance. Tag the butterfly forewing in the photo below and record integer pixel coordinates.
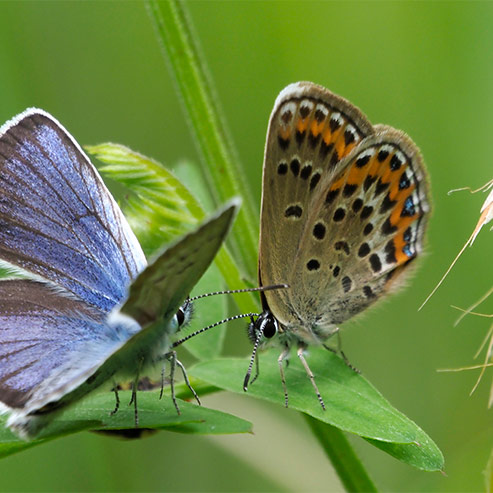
(57, 218)
(310, 131)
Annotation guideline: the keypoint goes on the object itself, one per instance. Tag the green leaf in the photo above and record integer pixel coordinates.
(352, 403)
(158, 207)
(93, 413)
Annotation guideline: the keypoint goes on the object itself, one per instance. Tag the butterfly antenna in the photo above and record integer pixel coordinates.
(252, 359)
(200, 331)
(245, 290)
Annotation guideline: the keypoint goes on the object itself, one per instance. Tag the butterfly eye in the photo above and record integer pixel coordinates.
(180, 317)
(269, 326)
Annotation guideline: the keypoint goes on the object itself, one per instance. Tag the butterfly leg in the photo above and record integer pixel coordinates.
(134, 400)
(280, 361)
(172, 359)
(117, 400)
(187, 381)
(301, 348)
(162, 381)
(257, 370)
(341, 352)
(134, 395)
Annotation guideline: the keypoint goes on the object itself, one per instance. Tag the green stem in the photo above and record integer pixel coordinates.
(219, 164)
(347, 464)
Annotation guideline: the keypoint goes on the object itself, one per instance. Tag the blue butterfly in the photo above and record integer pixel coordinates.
(92, 307)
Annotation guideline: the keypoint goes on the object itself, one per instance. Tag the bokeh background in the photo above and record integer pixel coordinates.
(426, 68)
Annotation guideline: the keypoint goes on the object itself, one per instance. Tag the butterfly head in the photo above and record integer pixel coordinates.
(264, 328)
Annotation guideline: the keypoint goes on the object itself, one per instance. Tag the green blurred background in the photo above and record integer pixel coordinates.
(426, 68)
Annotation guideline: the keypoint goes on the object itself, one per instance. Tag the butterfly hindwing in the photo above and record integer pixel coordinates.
(366, 226)
(57, 218)
(49, 343)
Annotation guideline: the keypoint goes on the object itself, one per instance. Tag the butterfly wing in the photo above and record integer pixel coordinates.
(366, 226)
(49, 344)
(55, 348)
(310, 131)
(57, 218)
(161, 288)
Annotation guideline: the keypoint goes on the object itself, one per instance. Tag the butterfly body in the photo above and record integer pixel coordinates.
(343, 214)
(90, 307)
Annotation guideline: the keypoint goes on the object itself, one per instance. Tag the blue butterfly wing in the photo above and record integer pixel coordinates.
(57, 218)
(49, 344)
(55, 348)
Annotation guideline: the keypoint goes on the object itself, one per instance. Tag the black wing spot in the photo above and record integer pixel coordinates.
(375, 263)
(314, 140)
(364, 250)
(282, 169)
(319, 231)
(314, 181)
(368, 292)
(366, 212)
(313, 264)
(357, 205)
(395, 163)
(306, 171)
(404, 182)
(369, 180)
(348, 137)
(334, 159)
(346, 283)
(363, 161)
(334, 124)
(325, 149)
(286, 116)
(295, 167)
(382, 155)
(381, 187)
(348, 190)
(293, 211)
(390, 251)
(342, 245)
(304, 111)
(331, 195)
(387, 204)
(283, 143)
(339, 215)
(368, 229)
(387, 227)
(319, 115)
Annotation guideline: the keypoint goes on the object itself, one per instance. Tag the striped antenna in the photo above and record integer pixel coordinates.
(197, 332)
(246, 290)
